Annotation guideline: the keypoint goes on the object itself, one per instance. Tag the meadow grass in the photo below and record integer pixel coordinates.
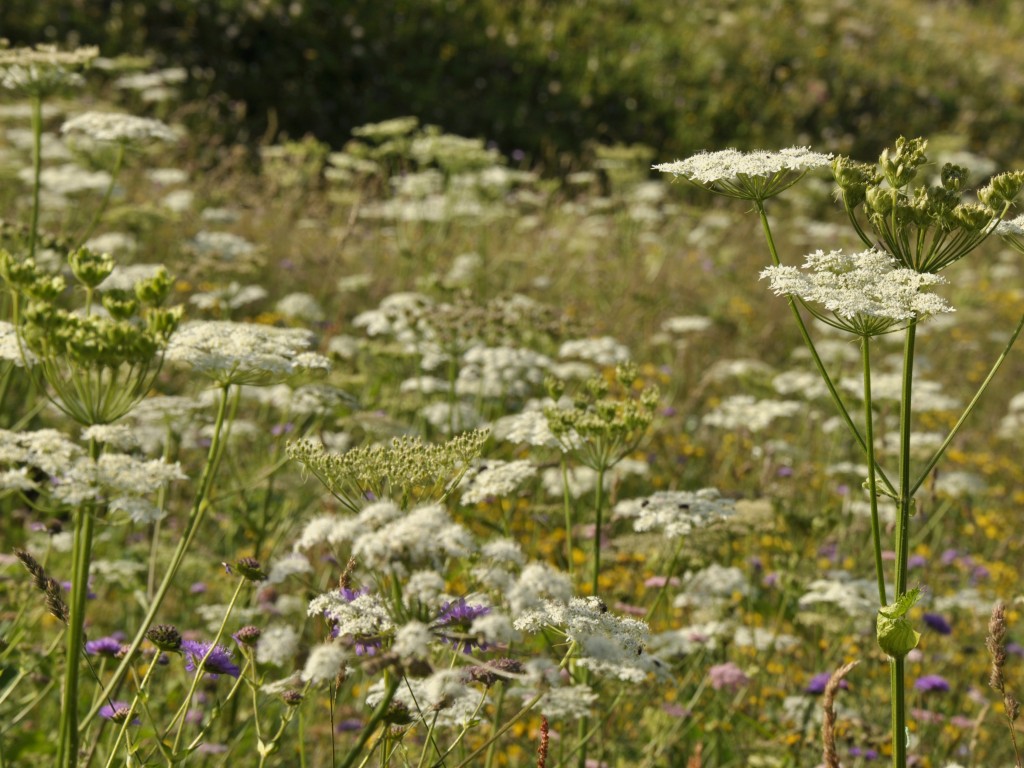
(446, 463)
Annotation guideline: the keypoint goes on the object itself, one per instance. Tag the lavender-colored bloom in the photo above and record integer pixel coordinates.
(103, 646)
(727, 676)
(928, 683)
(938, 623)
(816, 684)
(867, 753)
(917, 561)
(218, 663)
(458, 616)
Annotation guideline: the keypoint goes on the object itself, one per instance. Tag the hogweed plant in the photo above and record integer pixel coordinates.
(911, 231)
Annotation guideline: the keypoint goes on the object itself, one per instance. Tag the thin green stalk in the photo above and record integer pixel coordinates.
(80, 559)
(897, 676)
(566, 504)
(869, 438)
(195, 519)
(183, 709)
(663, 589)
(836, 399)
(598, 510)
(527, 707)
(123, 732)
(37, 168)
(970, 407)
(114, 173)
(374, 721)
(899, 713)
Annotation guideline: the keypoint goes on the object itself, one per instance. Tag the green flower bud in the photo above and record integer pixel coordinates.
(895, 634)
(154, 291)
(17, 273)
(899, 166)
(954, 177)
(853, 179)
(1002, 190)
(972, 217)
(120, 304)
(89, 268)
(46, 287)
(881, 200)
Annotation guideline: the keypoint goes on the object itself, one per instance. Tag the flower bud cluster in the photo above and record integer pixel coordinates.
(98, 365)
(603, 429)
(406, 471)
(925, 227)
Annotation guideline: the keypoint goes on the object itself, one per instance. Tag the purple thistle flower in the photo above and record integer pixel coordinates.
(103, 646)
(938, 623)
(816, 685)
(458, 617)
(218, 663)
(928, 683)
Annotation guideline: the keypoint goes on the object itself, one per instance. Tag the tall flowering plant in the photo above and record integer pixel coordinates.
(911, 231)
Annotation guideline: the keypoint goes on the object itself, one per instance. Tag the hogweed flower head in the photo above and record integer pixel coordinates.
(244, 353)
(117, 128)
(865, 293)
(754, 175)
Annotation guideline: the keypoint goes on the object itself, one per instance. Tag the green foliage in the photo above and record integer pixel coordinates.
(549, 79)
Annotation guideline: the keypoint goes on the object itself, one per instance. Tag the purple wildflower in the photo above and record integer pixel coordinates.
(917, 561)
(867, 753)
(218, 663)
(458, 617)
(103, 646)
(816, 684)
(938, 623)
(928, 683)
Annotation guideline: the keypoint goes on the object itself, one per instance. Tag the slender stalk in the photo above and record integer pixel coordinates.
(195, 518)
(566, 504)
(970, 407)
(905, 499)
(375, 720)
(200, 671)
(845, 414)
(869, 438)
(114, 173)
(80, 558)
(37, 168)
(598, 504)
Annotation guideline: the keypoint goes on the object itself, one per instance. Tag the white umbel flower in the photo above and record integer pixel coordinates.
(867, 292)
(676, 513)
(277, 645)
(117, 127)
(709, 167)
(324, 663)
(244, 353)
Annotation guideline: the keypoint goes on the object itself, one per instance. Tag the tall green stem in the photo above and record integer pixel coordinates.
(37, 169)
(905, 499)
(80, 559)
(375, 720)
(567, 506)
(814, 352)
(114, 173)
(195, 518)
(869, 438)
(598, 510)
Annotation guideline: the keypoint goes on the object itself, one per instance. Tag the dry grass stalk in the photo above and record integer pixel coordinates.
(828, 726)
(51, 589)
(996, 644)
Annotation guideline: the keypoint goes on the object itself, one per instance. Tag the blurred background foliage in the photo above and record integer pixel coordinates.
(547, 80)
